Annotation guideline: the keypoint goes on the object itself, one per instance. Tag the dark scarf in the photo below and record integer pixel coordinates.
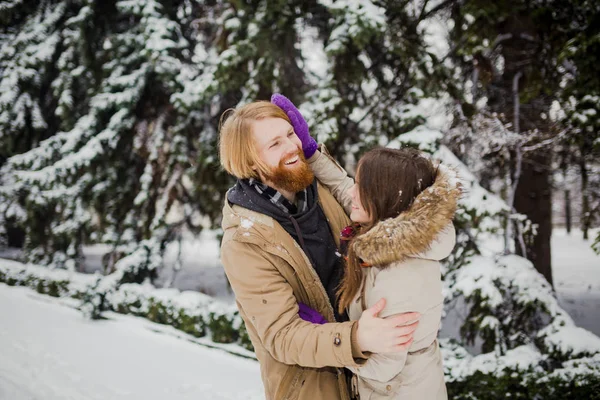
(279, 200)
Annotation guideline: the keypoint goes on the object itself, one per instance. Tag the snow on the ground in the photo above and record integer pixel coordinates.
(576, 270)
(50, 351)
(576, 274)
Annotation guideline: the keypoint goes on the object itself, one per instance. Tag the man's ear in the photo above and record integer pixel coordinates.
(257, 171)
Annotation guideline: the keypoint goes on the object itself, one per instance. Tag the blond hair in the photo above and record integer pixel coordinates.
(237, 148)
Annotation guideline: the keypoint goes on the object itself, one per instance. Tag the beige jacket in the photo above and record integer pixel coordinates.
(405, 252)
(270, 274)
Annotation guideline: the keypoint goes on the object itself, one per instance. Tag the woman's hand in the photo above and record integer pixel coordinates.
(392, 334)
(309, 145)
(310, 315)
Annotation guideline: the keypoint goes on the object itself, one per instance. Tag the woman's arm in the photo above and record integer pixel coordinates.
(382, 367)
(333, 176)
(413, 286)
(326, 169)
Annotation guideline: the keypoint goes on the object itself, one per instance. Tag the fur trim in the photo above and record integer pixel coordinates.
(413, 231)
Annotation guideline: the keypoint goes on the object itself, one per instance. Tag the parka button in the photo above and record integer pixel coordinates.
(388, 387)
(337, 340)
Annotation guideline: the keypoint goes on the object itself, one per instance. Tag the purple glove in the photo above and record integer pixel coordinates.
(309, 145)
(310, 315)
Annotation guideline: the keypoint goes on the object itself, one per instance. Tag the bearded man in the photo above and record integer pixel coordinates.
(280, 253)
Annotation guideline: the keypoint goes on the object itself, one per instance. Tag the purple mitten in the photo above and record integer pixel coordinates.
(310, 315)
(309, 145)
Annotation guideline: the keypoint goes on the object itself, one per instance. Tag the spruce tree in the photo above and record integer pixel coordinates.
(509, 54)
(109, 168)
(578, 106)
(513, 335)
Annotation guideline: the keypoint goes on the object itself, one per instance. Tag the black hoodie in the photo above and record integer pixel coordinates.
(309, 229)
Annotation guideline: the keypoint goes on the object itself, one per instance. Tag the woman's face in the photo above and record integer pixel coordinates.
(358, 214)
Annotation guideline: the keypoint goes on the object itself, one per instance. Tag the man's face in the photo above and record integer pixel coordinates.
(281, 150)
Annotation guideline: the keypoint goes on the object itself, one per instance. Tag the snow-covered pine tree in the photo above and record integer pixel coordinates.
(249, 53)
(27, 44)
(547, 90)
(509, 59)
(578, 109)
(512, 335)
(112, 167)
(378, 69)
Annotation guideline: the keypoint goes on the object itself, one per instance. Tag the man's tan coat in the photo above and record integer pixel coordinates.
(270, 274)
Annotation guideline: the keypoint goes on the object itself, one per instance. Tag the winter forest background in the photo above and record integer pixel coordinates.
(110, 185)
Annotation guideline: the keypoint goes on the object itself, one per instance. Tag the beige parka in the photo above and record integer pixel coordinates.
(405, 252)
(270, 274)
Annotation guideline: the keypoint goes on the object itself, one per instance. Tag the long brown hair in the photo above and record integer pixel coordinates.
(388, 181)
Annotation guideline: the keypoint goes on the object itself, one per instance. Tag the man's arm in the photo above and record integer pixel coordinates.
(270, 305)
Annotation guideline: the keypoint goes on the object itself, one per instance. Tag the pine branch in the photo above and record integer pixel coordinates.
(435, 9)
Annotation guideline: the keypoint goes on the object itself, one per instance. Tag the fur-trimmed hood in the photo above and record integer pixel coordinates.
(412, 233)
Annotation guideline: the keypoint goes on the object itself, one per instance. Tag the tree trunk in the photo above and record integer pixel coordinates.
(568, 210)
(514, 95)
(15, 235)
(586, 219)
(534, 199)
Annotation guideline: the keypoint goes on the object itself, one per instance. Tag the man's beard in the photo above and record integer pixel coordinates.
(291, 179)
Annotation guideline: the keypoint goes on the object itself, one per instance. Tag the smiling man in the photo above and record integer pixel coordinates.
(280, 252)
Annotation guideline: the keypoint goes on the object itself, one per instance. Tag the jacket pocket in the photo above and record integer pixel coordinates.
(288, 388)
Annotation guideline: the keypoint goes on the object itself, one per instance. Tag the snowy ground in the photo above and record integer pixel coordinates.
(50, 352)
(576, 274)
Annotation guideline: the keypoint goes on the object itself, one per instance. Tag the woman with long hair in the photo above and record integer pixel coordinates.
(402, 209)
(402, 206)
